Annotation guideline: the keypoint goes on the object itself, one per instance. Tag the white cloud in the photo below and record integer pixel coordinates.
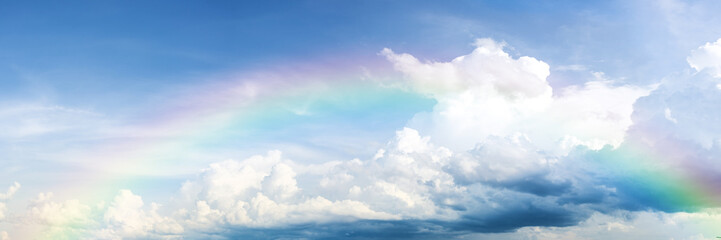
(68, 213)
(3, 208)
(10, 192)
(685, 107)
(490, 93)
(707, 57)
(262, 191)
(593, 115)
(501, 159)
(125, 218)
(410, 178)
(401, 183)
(487, 68)
(281, 184)
(667, 114)
(5, 196)
(45, 218)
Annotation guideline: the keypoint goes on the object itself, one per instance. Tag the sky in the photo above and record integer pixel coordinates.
(360, 119)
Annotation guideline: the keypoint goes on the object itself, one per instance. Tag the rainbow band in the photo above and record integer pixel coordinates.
(237, 111)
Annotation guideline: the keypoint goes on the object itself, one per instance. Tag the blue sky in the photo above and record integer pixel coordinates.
(136, 48)
(373, 119)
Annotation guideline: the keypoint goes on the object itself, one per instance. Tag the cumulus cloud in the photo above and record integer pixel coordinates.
(410, 185)
(489, 93)
(126, 219)
(487, 68)
(10, 192)
(67, 213)
(670, 150)
(3, 209)
(707, 58)
(262, 191)
(5, 196)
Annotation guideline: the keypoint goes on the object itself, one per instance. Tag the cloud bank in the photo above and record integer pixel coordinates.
(501, 152)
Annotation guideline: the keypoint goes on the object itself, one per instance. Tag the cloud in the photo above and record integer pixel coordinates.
(58, 214)
(5, 196)
(10, 192)
(410, 182)
(361, 229)
(667, 161)
(689, 101)
(3, 209)
(667, 114)
(487, 68)
(489, 93)
(262, 191)
(628, 225)
(500, 153)
(125, 218)
(32, 120)
(707, 58)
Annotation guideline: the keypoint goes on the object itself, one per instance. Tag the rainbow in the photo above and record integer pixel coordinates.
(227, 112)
(664, 173)
(220, 113)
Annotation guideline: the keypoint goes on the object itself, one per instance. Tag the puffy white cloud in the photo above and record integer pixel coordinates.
(684, 107)
(262, 191)
(10, 192)
(688, 101)
(3, 209)
(406, 180)
(5, 196)
(487, 92)
(49, 219)
(593, 115)
(411, 179)
(501, 159)
(68, 213)
(487, 68)
(280, 183)
(707, 57)
(125, 218)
